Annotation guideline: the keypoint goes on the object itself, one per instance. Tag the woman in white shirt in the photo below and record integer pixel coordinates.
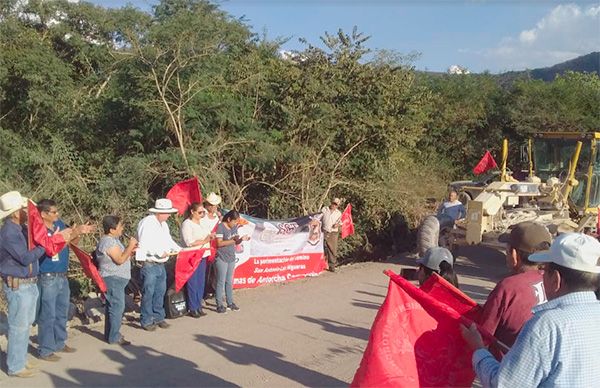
(196, 234)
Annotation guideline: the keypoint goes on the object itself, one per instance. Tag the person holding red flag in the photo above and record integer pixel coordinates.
(19, 268)
(196, 233)
(54, 288)
(115, 268)
(332, 221)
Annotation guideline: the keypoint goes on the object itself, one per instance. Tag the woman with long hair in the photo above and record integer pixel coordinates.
(196, 234)
(115, 269)
(227, 239)
(440, 261)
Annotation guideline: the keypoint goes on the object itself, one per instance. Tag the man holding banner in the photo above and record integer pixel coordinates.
(332, 220)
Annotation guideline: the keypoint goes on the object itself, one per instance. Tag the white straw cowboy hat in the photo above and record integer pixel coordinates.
(337, 201)
(10, 203)
(163, 205)
(213, 199)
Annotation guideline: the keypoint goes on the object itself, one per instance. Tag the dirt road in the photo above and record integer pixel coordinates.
(309, 332)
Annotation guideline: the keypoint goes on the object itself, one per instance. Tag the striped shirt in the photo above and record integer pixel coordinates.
(558, 347)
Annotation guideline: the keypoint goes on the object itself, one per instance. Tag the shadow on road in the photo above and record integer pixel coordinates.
(142, 366)
(340, 328)
(366, 304)
(245, 354)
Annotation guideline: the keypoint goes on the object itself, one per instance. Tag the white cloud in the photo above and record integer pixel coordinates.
(566, 32)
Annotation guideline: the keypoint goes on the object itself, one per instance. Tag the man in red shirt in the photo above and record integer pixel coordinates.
(509, 305)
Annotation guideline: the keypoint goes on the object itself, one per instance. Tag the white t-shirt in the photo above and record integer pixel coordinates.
(191, 231)
(330, 219)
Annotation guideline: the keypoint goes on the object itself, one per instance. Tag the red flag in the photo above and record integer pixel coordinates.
(440, 289)
(37, 233)
(415, 341)
(187, 262)
(88, 267)
(347, 224)
(185, 193)
(485, 164)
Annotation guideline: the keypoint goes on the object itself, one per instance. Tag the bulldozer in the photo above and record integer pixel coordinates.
(561, 191)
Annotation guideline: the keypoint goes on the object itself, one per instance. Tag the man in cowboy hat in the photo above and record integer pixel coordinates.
(332, 220)
(19, 269)
(155, 247)
(213, 217)
(557, 347)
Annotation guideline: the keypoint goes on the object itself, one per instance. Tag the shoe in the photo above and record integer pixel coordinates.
(31, 365)
(149, 327)
(163, 325)
(202, 313)
(221, 309)
(67, 349)
(51, 357)
(25, 373)
(194, 314)
(233, 307)
(332, 269)
(123, 342)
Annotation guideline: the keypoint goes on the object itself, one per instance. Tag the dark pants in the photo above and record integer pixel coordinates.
(53, 313)
(115, 307)
(331, 243)
(209, 279)
(195, 286)
(154, 279)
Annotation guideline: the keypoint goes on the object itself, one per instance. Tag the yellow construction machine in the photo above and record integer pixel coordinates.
(561, 191)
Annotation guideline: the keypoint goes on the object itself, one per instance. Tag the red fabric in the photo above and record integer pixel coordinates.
(187, 262)
(185, 193)
(415, 341)
(440, 289)
(485, 164)
(347, 224)
(37, 233)
(88, 267)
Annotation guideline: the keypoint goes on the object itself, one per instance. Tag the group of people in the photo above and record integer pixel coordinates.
(37, 288)
(545, 314)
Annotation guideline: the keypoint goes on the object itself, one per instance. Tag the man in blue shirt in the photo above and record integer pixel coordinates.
(452, 208)
(19, 270)
(559, 346)
(54, 288)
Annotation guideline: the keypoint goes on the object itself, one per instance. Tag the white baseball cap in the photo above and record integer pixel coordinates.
(572, 250)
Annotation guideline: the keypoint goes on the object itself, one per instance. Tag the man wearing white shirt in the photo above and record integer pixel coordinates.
(332, 220)
(155, 247)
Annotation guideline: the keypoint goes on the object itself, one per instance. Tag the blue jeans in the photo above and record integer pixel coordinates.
(53, 313)
(154, 278)
(115, 307)
(224, 281)
(195, 286)
(21, 314)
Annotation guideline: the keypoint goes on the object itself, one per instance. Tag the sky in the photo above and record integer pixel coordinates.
(480, 35)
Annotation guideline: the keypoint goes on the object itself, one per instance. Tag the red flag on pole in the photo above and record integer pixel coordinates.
(485, 164)
(415, 341)
(185, 193)
(347, 224)
(37, 233)
(88, 267)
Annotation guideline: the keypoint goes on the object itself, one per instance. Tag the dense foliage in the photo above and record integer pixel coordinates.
(104, 109)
